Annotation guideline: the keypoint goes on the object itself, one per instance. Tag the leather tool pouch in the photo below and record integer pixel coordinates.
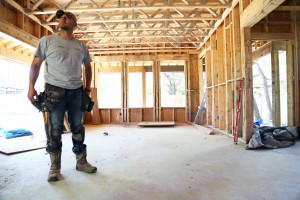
(87, 103)
(48, 99)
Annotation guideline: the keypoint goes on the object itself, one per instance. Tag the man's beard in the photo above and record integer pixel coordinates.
(66, 28)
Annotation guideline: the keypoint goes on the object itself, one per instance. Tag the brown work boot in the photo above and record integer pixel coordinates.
(82, 163)
(55, 159)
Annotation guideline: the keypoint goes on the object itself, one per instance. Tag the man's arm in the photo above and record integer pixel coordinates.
(88, 76)
(33, 75)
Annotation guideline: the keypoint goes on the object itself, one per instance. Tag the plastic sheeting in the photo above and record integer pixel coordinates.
(273, 137)
(8, 134)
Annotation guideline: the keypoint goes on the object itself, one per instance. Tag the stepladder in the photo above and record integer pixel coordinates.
(238, 112)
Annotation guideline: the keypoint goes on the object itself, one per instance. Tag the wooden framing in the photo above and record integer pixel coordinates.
(223, 32)
(275, 87)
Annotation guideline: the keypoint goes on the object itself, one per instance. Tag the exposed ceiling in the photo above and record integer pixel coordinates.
(134, 26)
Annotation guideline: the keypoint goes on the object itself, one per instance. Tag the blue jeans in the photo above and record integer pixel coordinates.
(70, 104)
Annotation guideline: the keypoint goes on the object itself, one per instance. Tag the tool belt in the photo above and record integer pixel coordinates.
(87, 103)
(48, 99)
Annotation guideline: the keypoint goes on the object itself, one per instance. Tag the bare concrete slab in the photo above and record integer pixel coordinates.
(19, 145)
(173, 163)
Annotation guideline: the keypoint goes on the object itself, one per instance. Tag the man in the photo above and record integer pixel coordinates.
(63, 56)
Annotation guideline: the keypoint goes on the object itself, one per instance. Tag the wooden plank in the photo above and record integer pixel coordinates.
(13, 55)
(209, 104)
(18, 34)
(236, 35)
(221, 53)
(214, 62)
(290, 83)
(156, 124)
(167, 114)
(247, 99)
(208, 68)
(296, 18)
(263, 50)
(275, 88)
(187, 73)
(134, 115)
(271, 36)
(288, 8)
(215, 81)
(229, 108)
(221, 78)
(222, 107)
(34, 18)
(194, 84)
(144, 81)
(104, 115)
(19, 145)
(257, 10)
(179, 115)
(147, 114)
(215, 111)
(228, 51)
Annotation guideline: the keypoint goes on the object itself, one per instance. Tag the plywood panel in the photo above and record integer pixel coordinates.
(222, 107)
(236, 35)
(229, 109)
(147, 115)
(8, 14)
(179, 114)
(116, 116)
(216, 114)
(167, 114)
(220, 48)
(208, 68)
(228, 52)
(135, 114)
(194, 85)
(209, 106)
(105, 116)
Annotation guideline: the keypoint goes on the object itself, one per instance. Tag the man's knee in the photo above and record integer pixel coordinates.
(54, 143)
(78, 133)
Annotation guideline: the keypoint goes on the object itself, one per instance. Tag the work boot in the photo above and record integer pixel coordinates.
(55, 159)
(82, 163)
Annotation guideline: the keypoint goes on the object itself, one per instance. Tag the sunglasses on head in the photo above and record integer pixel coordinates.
(61, 13)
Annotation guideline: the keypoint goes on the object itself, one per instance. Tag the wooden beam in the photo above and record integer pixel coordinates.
(13, 55)
(130, 8)
(247, 98)
(257, 10)
(275, 88)
(288, 8)
(271, 36)
(263, 50)
(22, 10)
(18, 34)
(217, 24)
(290, 83)
(144, 51)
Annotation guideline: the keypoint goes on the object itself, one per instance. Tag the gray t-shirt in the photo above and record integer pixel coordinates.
(64, 59)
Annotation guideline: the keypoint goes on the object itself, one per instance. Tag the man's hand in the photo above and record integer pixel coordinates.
(32, 95)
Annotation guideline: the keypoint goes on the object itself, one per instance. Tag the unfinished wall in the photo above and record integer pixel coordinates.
(223, 73)
(228, 59)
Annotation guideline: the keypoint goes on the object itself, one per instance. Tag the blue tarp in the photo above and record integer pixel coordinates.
(8, 134)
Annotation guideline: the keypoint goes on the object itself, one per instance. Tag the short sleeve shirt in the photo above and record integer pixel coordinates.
(63, 60)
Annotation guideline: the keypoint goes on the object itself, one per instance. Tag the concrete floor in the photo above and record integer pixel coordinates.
(175, 163)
